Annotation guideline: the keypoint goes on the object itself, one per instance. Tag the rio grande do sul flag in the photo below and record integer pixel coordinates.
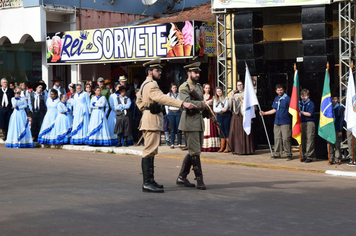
(350, 111)
(294, 110)
(326, 128)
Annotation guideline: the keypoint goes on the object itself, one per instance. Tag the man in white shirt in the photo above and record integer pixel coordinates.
(38, 109)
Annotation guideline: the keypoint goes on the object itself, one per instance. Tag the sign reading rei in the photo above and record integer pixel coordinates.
(111, 44)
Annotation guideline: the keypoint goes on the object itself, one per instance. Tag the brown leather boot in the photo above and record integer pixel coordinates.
(223, 143)
(182, 177)
(198, 172)
(227, 146)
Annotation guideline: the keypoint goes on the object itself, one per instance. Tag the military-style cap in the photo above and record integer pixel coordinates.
(193, 67)
(153, 64)
(122, 78)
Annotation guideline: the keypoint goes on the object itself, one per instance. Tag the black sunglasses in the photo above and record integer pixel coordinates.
(17, 92)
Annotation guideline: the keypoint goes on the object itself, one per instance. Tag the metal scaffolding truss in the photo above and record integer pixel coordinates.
(346, 43)
(224, 50)
(346, 50)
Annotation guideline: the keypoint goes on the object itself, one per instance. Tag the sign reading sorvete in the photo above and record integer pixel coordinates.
(122, 43)
(224, 4)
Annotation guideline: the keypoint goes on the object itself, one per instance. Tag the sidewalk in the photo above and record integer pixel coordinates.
(260, 159)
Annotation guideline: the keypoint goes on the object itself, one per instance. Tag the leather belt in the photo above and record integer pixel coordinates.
(224, 113)
(174, 111)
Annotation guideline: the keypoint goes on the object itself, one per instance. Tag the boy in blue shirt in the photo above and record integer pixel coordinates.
(307, 109)
(282, 123)
(335, 149)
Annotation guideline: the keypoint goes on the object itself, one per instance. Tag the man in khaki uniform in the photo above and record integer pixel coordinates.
(192, 124)
(150, 100)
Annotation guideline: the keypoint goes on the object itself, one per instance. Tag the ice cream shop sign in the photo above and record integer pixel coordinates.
(122, 44)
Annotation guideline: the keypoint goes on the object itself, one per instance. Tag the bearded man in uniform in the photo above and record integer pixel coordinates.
(150, 100)
(192, 124)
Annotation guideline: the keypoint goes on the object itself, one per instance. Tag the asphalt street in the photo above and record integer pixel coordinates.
(61, 192)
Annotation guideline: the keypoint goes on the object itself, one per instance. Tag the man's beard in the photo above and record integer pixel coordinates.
(195, 79)
(156, 77)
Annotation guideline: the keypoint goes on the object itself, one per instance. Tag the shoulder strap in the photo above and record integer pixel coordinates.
(144, 86)
(118, 99)
(188, 86)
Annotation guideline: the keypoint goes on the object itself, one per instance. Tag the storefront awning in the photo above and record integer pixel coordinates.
(18, 24)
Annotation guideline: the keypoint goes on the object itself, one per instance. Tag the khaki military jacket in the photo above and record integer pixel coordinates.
(187, 122)
(150, 94)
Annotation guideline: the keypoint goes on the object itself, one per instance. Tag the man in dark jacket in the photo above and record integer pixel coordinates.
(5, 106)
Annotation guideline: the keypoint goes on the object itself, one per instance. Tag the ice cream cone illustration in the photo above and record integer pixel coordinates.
(176, 41)
(170, 53)
(187, 50)
(178, 50)
(188, 32)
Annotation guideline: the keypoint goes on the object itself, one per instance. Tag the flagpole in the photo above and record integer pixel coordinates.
(353, 149)
(327, 69)
(264, 126)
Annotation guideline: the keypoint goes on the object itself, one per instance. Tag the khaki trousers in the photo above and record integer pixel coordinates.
(335, 149)
(308, 137)
(152, 141)
(282, 136)
(194, 141)
(349, 143)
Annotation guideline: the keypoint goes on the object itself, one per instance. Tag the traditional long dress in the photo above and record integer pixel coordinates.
(81, 104)
(239, 141)
(48, 121)
(98, 133)
(19, 132)
(112, 115)
(211, 142)
(61, 131)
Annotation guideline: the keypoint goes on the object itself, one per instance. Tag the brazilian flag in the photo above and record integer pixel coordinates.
(326, 128)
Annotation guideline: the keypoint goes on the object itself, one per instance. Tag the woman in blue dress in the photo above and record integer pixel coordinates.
(19, 134)
(49, 119)
(61, 132)
(112, 115)
(98, 133)
(81, 112)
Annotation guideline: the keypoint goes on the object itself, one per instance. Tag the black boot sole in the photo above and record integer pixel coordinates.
(185, 185)
(152, 191)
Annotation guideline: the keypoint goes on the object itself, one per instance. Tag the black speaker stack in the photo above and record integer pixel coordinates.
(317, 48)
(247, 37)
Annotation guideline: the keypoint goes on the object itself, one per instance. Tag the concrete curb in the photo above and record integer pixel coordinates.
(114, 150)
(248, 164)
(341, 173)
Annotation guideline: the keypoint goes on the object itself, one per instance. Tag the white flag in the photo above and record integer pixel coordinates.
(350, 113)
(250, 100)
